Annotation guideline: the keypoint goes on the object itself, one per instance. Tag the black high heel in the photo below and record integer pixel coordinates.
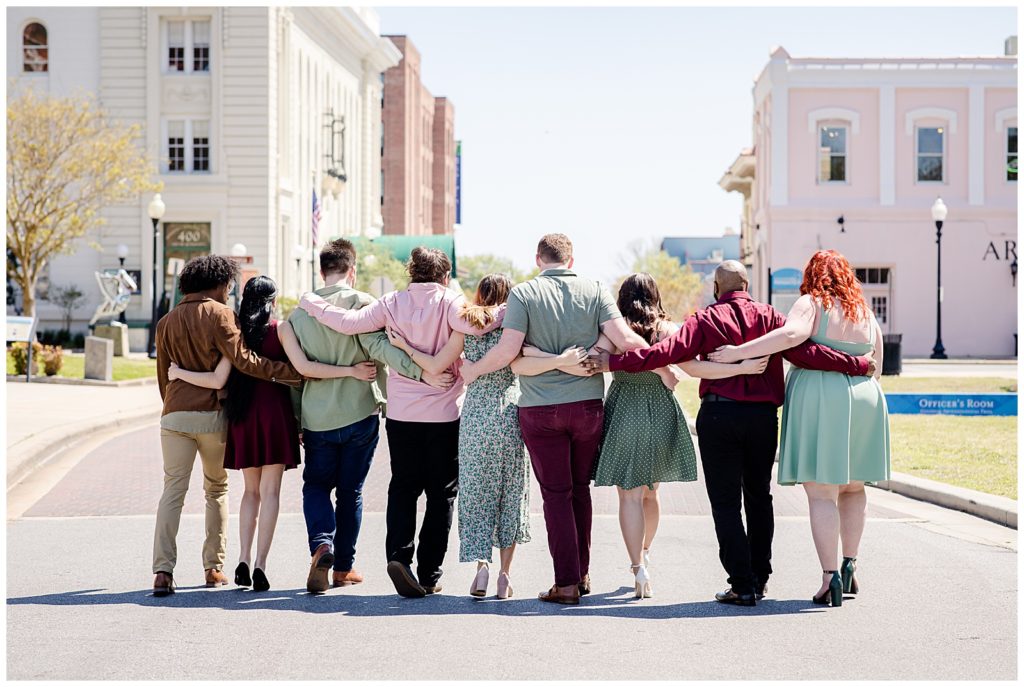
(260, 583)
(834, 593)
(848, 568)
(242, 578)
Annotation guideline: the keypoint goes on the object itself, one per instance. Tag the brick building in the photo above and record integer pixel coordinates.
(417, 151)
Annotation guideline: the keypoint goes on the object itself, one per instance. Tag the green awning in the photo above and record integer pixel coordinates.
(402, 246)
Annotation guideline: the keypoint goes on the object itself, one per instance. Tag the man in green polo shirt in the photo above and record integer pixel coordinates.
(561, 415)
(340, 423)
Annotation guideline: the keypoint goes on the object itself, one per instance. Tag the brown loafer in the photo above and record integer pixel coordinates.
(554, 595)
(323, 559)
(584, 586)
(436, 589)
(343, 578)
(215, 577)
(163, 584)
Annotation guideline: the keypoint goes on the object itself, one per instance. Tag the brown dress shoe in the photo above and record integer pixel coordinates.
(584, 585)
(343, 578)
(323, 559)
(215, 577)
(553, 595)
(163, 584)
(436, 589)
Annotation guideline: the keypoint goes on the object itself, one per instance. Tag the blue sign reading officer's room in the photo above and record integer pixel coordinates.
(952, 404)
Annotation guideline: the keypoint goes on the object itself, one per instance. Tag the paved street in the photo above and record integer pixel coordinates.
(925, 367)
(939, 597)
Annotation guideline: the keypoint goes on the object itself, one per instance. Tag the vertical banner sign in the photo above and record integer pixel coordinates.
(458, 182)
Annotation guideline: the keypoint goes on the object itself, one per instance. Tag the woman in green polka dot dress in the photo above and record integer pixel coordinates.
(646, 438)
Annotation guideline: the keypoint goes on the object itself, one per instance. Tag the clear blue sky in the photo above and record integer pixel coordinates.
(613, 124)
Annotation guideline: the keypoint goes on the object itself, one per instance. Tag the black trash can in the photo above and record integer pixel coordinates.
(892, 354)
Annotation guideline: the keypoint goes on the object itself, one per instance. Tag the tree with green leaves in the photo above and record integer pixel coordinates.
(66, 161)
(679, 285)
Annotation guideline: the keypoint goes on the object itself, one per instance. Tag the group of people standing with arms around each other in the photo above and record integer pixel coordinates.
(479, 396)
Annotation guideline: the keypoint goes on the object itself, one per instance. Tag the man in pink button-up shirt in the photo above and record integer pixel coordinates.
(422, 422)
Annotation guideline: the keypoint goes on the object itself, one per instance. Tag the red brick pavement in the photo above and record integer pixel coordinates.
(124, 477)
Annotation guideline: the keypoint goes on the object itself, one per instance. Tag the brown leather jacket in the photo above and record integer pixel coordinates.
(195, 334)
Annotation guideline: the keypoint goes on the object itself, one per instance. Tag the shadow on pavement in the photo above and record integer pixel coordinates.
(617, 604)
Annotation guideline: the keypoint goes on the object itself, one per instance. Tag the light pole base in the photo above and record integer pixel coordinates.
(939, 352)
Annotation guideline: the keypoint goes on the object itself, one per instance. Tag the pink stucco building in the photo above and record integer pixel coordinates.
(850, 154)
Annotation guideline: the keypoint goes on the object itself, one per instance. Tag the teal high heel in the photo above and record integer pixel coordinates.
(834, 593)
(848, 568)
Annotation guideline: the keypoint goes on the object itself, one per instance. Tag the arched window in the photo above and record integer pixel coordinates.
(35, 52)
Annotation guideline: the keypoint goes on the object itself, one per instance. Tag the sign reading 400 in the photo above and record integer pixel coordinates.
(189, 235)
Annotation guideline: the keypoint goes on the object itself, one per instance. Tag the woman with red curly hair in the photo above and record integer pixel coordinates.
(835, 429)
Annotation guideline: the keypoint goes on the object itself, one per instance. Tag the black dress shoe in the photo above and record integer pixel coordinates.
(405, 584)
(731, 597)
(260, 583)
(242, 578)
(760, 590)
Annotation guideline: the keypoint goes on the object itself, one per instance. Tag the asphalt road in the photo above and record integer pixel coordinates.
(938, 600)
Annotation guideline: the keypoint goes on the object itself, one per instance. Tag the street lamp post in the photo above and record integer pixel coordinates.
(156, 211)
(238, 252)
(298, 253)
(939, 211)
(122, 253)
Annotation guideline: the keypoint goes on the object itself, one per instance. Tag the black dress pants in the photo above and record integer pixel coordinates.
(424, 458)
(737, 450)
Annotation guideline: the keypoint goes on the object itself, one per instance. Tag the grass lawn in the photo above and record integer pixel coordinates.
(74, 367)
(974, 452)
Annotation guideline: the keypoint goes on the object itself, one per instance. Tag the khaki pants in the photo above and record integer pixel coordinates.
(179, 452)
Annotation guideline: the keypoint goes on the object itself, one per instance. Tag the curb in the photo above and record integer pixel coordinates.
(74, 381)
(37, 450)
(997, 509)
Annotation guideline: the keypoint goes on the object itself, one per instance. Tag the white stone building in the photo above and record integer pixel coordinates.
(243, 109)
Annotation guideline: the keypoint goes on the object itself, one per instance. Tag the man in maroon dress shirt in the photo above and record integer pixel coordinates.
(737, 426)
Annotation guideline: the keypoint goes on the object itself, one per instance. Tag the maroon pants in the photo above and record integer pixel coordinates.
(563, 441)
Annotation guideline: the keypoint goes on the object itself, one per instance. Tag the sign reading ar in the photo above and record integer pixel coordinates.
(1009, 250)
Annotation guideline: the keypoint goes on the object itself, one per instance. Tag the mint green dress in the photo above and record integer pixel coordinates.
(835, 428)
(646, 439)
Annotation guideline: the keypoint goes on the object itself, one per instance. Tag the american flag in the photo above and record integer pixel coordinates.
(316, 219)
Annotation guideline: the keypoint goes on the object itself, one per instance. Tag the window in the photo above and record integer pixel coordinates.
(175, 46)
(176, 146)
(201, 146)
(188, 145)
(35, 52)
(1011, 153)
(832, 154)
(201, 46)
(930, 149)
(872, 275)
(880, 306)
(188, 46)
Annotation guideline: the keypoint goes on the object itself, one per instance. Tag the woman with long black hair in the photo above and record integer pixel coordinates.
(263, 435)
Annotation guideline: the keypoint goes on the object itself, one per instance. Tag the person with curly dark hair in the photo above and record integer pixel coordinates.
(423, 422)
(196, 334)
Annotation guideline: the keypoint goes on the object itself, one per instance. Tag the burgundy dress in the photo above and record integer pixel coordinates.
(269, 434)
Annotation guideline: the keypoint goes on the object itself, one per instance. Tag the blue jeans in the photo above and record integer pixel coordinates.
(337, 460)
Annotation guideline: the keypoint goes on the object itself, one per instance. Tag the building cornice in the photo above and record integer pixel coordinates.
(342, 33)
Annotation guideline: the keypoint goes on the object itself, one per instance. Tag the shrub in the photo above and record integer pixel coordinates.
(19, 352)
(78, 341)
(285, 306)
(53, 359)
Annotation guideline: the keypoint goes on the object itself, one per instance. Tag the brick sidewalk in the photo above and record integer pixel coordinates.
(124, 477)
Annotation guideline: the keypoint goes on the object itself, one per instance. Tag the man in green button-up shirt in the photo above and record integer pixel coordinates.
(340, 422)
